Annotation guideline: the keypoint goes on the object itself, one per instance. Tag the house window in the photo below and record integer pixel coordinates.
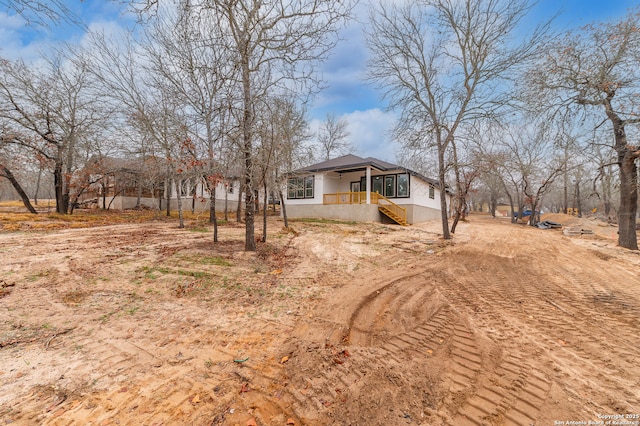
(390, 186)
(363, 183)
(308, 187)
(403, 185)
(185, 187)
(432, 192)
(376, 184)
(300, 187)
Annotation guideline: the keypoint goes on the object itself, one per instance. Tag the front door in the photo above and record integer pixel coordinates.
(355, 193)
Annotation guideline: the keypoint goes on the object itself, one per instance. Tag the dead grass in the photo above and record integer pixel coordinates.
(15, 218)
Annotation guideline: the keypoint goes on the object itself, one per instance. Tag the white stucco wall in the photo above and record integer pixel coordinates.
(201, 190)
(419, 195)
(420, 207)
(123, 203)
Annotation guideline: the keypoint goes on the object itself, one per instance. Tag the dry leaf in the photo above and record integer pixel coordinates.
(284, 359)
(195, 399)
(290, 421)
(429, 351)
(252, 422)
(276, 272)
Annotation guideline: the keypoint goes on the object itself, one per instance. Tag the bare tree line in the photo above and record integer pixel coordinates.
(217, 87)
(495, 109)
(201, 85)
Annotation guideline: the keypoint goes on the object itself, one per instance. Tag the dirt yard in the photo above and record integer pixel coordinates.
(331, 324)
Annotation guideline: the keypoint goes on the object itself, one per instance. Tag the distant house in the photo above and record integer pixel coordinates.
(363, 189)
(121, 184)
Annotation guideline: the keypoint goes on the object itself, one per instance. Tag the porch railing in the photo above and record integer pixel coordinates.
(349, 198)
(386, 206)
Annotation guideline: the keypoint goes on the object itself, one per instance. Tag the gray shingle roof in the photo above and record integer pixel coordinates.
(350, 162)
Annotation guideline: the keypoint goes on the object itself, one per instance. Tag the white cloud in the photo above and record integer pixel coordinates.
(370, 133)
(11, 46)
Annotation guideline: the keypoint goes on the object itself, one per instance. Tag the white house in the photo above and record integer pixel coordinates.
(126, 183)
(362, 189)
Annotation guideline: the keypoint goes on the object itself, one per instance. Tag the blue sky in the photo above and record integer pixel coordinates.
(346, 95)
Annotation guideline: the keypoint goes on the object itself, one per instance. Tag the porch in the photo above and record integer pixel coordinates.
(385, 206)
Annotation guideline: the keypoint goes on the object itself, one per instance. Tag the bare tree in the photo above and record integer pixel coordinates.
(181, 54)
(41, 12)
(532, 151)
(275, 46)
(283, 136)
(9, 160)
(604, 181)
(150, 106)
(54, 112)
(333, 137)
(597, 67)
(440, 62)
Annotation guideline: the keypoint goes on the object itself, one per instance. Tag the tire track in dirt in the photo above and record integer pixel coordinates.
(402, 323)
(514, 397)
(148, 381)
(558, 321)
(504, 391)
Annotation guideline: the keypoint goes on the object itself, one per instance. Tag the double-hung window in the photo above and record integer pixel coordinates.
(403, 185)
(390, 186)
(300, 187)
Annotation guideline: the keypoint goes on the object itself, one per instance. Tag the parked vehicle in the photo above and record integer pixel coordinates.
(524, 213)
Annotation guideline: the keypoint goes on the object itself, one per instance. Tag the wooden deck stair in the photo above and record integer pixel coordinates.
(392, 210)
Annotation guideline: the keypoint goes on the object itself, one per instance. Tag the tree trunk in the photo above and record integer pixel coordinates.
(284, 209)
(264, 213)
(566, 192)
(35, 196)
(212, 202)
(249, 211)
(493, 203)
(212, 213)
(579, 201)
(179, 201)
(226, 203)
(58, 183)
(239, 207)
(139, 191)
(443, 193)
(510, 197)
(460, 195)
(627, 236)
(628, 209)
(167, 195)
(104, 196)
(16, 185)
(606, 192)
